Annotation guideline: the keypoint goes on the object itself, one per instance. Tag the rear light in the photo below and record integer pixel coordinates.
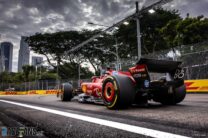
(84, 88)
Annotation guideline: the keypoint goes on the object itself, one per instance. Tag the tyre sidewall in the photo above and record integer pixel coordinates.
(124, 91)
(114, 103)
(67, 90)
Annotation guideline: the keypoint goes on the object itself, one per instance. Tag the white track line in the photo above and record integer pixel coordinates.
(121, 126)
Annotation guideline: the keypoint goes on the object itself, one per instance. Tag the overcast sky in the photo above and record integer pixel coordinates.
(26, 17)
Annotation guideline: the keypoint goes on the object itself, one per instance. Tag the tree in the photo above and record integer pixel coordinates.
(5, 77)
(187, 31)
(151, 38)
(192, 30)
(27, 69)
(49, 76)
(18, 77)
(70, 70)
(170, 34)
(55, 45)
(162, 30)
(97, 52)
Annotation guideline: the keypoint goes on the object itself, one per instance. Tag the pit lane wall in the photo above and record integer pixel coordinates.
(31, 92)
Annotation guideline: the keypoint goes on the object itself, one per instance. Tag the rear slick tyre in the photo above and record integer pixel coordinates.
(180, 94)
(66, 92)
(176, 97)
(118, 92)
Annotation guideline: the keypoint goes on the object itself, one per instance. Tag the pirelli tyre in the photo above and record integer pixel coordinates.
(66, 92)
(118, 92)
(174, 95)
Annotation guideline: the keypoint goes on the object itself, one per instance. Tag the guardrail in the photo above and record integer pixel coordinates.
(200, 86)
(31, 92)
(196, 86)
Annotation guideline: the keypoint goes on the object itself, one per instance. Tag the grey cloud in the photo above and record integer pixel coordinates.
(193, 7)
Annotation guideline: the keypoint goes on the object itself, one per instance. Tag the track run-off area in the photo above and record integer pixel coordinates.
(73, 119)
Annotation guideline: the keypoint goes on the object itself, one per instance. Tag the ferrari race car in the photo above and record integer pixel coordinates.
(120, 89)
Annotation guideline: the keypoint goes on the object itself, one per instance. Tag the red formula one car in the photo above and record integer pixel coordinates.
(118, 89)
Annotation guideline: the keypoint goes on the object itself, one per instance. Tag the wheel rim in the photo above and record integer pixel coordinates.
(109, 92)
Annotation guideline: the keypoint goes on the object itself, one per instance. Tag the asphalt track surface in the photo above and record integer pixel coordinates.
(54, 118)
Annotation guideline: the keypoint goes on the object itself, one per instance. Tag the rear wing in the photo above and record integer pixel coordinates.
(160, 66)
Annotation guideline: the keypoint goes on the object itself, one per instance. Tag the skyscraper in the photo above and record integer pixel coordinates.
(24, 54)
(6, 56)
(1, 63)
(36, 60)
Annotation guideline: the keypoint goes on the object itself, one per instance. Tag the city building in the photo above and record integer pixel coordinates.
(6, 56)
(36, 60)
(24, 54)
(1, 63)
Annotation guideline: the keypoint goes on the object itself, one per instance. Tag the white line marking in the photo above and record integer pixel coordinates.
(121, 126)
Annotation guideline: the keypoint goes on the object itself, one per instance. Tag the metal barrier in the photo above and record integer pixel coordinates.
(31, 92)
(196, 86)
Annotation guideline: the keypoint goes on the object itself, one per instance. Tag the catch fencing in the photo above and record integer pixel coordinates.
(194, 59)
(39, 85)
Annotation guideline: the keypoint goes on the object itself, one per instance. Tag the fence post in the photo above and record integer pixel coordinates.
(38, 85)
(42, 85)
(187, 73)
(46, 84)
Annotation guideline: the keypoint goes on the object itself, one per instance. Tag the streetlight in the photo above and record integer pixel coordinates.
(151, 11)
(79, 75)
(118, 67)
(126, 23)
(138, 28)
(57, 72)
(36, 77)
(138, 31)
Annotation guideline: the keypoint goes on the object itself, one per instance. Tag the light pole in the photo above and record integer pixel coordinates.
(79, 75)
(57, 72)
(138, 31)
(118, 67)
(36, 76)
